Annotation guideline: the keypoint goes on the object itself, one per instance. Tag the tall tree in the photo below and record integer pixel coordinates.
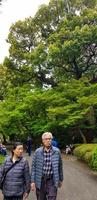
(72, 50)
(32, 59)
(5, 82)
(62, 109)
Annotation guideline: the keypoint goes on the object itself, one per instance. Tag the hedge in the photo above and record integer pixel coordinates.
(87, 153)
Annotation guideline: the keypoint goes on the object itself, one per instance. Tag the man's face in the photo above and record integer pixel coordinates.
(47, 141)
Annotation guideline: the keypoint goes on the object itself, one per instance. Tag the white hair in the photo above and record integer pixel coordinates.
(47, 134)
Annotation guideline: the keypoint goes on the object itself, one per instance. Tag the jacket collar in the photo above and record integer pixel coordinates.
(53, 149)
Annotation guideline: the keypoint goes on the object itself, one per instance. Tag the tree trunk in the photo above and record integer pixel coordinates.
(4, 139)
(82, 135)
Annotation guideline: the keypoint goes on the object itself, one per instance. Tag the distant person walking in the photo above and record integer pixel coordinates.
(47, 171)
(3, 150)
(16, 185)
(54, 142)
(29, 145)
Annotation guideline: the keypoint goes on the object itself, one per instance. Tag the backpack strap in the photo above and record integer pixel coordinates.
(5, 173)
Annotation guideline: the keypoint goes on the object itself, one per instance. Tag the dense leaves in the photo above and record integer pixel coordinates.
(72, 50)
(68, 105)
(47, 80)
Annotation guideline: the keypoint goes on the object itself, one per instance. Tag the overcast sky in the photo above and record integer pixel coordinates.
(11, 11)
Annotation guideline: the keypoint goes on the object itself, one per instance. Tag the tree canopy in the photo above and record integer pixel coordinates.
(48, 82)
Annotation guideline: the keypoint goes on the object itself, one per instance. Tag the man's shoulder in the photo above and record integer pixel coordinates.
(55, 149)
(38, 150)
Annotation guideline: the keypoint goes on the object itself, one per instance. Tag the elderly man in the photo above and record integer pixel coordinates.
(47, 172)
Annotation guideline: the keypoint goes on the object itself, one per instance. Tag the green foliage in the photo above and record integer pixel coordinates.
(4, 81)
(27, 110)
(57, 44)
(94, 159)
(83, 151)
(88, 157)
(87, 153)
(2, 158)
(54, 51)
(70, 47)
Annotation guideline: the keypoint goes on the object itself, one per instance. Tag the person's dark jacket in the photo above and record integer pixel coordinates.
(17, 180)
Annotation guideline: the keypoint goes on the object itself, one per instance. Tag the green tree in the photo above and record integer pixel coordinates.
(56, 48)
(4, 82)
(69, 106)
(72, 50)
(32, 59)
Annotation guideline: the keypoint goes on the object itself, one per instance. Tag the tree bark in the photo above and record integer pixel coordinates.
(83, 137)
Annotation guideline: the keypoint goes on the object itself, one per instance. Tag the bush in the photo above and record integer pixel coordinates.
(2, 158)
(81, 150)
(93, 163)
(87, 153)
(88, 157)
(76, 145)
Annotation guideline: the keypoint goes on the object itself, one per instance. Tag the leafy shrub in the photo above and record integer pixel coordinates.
(87, 153)
(2, 158)
(93, 163)
(76, 145)
(88, 157)
(81, 150)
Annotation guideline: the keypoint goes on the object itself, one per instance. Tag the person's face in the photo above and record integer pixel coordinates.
(47, 141)
(18, 151)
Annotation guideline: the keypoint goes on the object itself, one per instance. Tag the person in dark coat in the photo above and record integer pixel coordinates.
(54, 142)
(3, 150)
(16, 185)
(29, 145)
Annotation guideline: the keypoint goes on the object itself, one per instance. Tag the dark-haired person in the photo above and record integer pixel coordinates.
(16, 185)
(3, 150)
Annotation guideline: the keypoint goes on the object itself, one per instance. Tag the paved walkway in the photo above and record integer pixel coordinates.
(80, 183)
